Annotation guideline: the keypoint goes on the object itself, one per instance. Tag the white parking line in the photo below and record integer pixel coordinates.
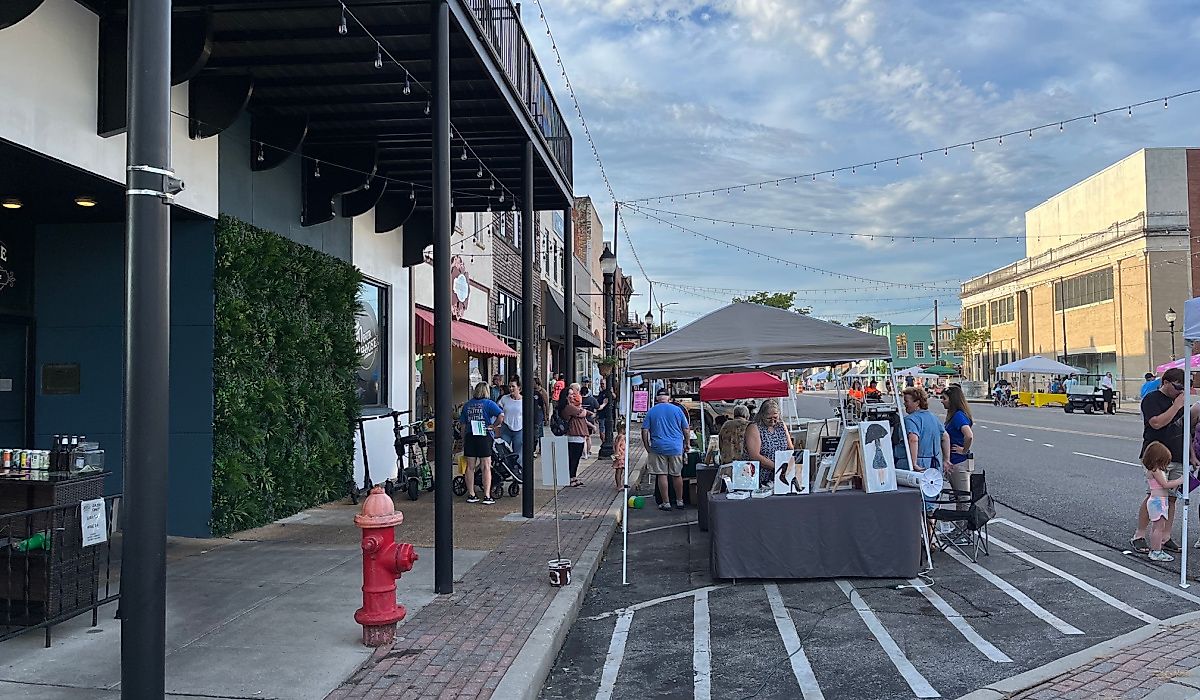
(616, 653)
(791, 642)
(661, 527)
(1028, 439)
(912, 676)
(701, 649)
(1072, 432)
(995, 430)
(1014, 593)
(1078, 583)
(1107, 459)
(1011, 435)
(656, 601)
(989, 650)
(1046, 444)
(1167, 588)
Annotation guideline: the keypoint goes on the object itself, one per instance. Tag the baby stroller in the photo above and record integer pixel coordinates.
(506, 468)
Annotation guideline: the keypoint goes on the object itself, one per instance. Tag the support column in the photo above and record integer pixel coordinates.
(147, 352)
(569, 295)
(443, 448)
(528, 332)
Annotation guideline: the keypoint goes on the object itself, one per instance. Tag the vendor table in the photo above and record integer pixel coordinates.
(822, 535)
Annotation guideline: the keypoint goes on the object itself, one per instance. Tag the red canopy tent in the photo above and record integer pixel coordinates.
(742, 385)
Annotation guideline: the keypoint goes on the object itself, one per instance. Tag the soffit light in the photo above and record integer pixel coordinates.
(85, 201)
(11, 203)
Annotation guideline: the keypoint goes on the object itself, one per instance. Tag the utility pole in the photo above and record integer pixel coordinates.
(936, 355)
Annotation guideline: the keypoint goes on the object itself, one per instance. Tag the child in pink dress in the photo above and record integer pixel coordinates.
(1156, 459)
(619, 456)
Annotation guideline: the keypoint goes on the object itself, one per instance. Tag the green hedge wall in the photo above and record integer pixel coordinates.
(284, 363)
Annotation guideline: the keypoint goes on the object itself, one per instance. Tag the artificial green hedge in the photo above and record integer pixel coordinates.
(283, 372)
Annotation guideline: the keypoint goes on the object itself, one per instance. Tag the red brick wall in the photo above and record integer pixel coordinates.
(506, 266)
(581, 214)
(1193, 184)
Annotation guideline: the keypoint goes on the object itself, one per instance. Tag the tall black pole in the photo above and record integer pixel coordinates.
(569, 294)
(528, 333)
(443, 448)
(936, 355)
(606, 439)
(147, 352)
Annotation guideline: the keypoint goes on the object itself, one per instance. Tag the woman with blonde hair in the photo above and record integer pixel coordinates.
(765, 436)
(481, 419)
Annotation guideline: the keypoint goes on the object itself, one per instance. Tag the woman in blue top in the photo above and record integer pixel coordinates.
(958, 427)
(481, 418)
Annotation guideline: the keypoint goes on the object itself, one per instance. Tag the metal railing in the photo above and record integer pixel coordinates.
(498, 22)
(1133, 226)
(47, 576)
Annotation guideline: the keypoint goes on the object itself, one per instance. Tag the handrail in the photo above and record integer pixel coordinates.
(499, 22)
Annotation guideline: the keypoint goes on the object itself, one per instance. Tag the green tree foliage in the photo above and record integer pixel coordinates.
(865, 323)
(779, 300)
(283, 374)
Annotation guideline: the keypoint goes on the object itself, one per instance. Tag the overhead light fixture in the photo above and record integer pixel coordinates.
(10, 203)
(85, 201)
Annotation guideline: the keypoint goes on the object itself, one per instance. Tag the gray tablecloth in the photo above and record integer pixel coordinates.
(822, 535)
(705, 476)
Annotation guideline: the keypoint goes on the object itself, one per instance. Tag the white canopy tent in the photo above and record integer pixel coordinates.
(744, 338)
(1191, 333)
(1036, 364)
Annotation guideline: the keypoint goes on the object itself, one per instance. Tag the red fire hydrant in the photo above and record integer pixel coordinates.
(383, 562)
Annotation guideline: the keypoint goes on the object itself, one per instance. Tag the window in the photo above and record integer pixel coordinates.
(1003, 310)
(919, 349)
(371, 336)
(1089, 288)
(508, 324)
(902, 345)
(975, 317)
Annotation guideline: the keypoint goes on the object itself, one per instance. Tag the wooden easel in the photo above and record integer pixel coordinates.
(849, 464)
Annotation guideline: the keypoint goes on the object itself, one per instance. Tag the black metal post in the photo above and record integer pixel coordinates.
(528, 333)
(569, 294)
(443, 448)
(606, 440)
(147, 352)
(1172, 324)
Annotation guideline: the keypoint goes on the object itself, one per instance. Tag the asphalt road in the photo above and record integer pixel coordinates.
(1069, 486)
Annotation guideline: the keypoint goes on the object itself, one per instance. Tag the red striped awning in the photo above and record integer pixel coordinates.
(464, 335)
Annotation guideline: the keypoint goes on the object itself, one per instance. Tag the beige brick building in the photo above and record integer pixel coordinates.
(1105, 260)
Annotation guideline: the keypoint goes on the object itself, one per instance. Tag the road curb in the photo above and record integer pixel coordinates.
(1021, 682)
(529, 670)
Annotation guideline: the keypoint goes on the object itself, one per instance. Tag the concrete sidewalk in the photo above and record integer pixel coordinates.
(268, 613)
(1156, 662)
(498, 634)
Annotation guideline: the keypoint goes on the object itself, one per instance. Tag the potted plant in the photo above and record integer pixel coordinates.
(607, 364)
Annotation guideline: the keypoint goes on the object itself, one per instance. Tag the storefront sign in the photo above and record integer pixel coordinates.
(95, 522)
(368, 335)
(461, 290)
(641, 401)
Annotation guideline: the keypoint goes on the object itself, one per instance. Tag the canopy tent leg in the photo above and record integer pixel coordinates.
(1187, 455)
(627, 395)
(911, 463)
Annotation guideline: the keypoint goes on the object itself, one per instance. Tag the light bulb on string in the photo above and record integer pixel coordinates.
(1060, 126)
(407, 87)
(492, 186)
(1031, 133)
(972, 145)
(427, 109)
(378, 56)
(921, 156)
(1000, 141)
(946, 152)
(342, 27)
(1164, 103)
(261, 156)
(412, 193)
(464, 154)
(317, 169)
(1095, 120)
(501, 196)
(1130, 110)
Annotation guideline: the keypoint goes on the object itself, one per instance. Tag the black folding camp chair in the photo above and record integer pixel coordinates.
(968, 527)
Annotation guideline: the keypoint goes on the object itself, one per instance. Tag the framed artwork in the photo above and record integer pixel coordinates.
(818, 429)
(820, 482)
(791, 472)
(745, 475)
(879, 464)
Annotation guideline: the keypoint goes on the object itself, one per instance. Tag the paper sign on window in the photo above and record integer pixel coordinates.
(95, 522)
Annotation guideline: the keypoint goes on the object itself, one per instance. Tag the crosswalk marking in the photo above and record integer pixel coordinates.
(912, 676)
(791, 642)
(701, 648)
(965, 629)
(1102, 561)
(616, 653)
(1014, 593)
(1082, 585)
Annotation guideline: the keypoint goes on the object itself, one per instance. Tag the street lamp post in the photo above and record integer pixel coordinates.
(608, 265)
(662, 317)
(1171, 316)
(649, 326)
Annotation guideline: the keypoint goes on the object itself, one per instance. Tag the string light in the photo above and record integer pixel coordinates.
(427, 108)
(479, 173)
(261, 156)
(412, 194)
(464, 154)
(317, 169)
(407, 86)
(378, 56)
(492, 186)
(343, 28)
(1095, 120)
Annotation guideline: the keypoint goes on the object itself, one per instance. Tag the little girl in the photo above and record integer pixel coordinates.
(1157, 459)
(619, 455)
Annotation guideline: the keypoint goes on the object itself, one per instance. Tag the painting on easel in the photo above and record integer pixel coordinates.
(879, 473)
(847, 461)
(791, 472)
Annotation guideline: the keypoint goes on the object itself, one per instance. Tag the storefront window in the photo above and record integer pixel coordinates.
(371, 334)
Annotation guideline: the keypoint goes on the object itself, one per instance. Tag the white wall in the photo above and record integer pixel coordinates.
(378, 256)
(49, 98)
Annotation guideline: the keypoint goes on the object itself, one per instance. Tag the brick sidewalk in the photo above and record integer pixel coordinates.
(1132, 673)
(461, 645)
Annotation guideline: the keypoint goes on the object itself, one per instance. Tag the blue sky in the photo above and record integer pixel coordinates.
(683, 95)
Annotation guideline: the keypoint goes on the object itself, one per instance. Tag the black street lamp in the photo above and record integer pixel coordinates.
(608, 265)
(649, 326)
(1171, 316)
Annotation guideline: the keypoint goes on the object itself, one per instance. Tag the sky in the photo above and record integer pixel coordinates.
(683, 95)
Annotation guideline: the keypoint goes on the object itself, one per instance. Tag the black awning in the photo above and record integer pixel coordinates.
(555, 321)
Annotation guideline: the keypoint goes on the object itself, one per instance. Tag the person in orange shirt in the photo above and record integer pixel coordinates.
(856, 391)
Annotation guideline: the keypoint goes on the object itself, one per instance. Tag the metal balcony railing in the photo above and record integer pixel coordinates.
(497, 20)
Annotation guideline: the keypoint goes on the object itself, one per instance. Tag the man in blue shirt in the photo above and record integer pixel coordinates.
(1152, 384)
(664, 435)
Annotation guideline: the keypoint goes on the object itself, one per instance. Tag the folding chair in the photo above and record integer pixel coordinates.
(968, 531)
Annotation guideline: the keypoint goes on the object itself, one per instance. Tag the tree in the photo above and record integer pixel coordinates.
(779, 300)
(969, 342)
(835, 322)
(865, 323)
